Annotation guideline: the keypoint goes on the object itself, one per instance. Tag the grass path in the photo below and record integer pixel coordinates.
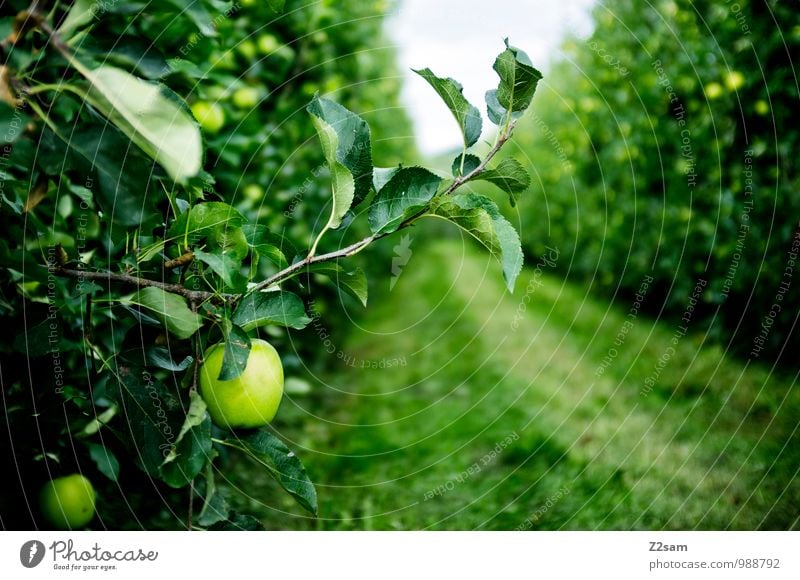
(713, 444)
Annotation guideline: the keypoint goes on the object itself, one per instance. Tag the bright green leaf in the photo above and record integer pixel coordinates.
(149, 117)
(345, 142)
(479, 217)
(281, 463)
(406, 193)
(79, 15)
(466, 114)
(263, 308)
(169, 309)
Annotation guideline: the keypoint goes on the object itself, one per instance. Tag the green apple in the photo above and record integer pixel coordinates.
(246, 98)
(251, 399)
(253, 192)
(210, 116)
(68, 502)
(267, 43)
(247, 49)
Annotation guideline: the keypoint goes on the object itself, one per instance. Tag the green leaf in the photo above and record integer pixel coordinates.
(79, 15)
(197, 13)
(153, 415)
(479, 217)
(408, 191)
(12, 124)
(263, 308)
(224, 266)
(162, 128)
(106, 462)
(276, 5)
(354, 282)
(210, 220)
(237, 351)
(282, 464)
(497, 114)
(470, 163)
(345, 142)
(194, 417)
(271, 246)
(159, 356)
(518, 79)
(466, 114)
(122, 171)
(509, 175)
(382, 175)
(192, 454)
(192, 449)
(169, 309)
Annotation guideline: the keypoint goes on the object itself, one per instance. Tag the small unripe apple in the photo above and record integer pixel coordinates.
(210, 116)
(68, 502)
(251, 399)
(246, 98)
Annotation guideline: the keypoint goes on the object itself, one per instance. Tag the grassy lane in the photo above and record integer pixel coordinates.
(578, 442)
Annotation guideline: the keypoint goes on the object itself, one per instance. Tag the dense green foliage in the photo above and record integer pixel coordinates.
(186, 174)
(665, 146)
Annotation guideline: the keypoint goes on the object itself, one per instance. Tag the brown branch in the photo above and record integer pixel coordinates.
(193, 296)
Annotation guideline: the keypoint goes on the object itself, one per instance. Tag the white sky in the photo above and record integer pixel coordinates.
(460, 39)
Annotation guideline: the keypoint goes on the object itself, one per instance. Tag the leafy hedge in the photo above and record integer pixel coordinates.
(665, 147)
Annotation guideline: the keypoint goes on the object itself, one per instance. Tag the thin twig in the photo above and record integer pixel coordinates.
(193, 296)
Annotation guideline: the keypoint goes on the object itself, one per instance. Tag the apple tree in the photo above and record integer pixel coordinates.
(141, 199)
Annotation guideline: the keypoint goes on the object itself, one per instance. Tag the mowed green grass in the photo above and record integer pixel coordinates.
(714, 444)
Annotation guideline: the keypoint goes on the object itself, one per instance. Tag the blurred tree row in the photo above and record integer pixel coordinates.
(665, 146)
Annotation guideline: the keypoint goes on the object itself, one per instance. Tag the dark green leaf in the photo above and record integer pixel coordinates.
(152, 415)
(466, 114)
(354, 282)
(263, 308)
(470, 163)
(479, 216)
(518, 79)
(159, 356)
(406, 193)
(276, 5)
(189, 456)
(123, 172)
(170, 310)
(345, 141)
(107, 463)
(509, 175)
(237, 351)
(282, 464)
(382, 175)
(238, 523)
(197, 13)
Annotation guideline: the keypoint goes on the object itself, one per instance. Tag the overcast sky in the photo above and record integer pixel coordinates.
(461, 38)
